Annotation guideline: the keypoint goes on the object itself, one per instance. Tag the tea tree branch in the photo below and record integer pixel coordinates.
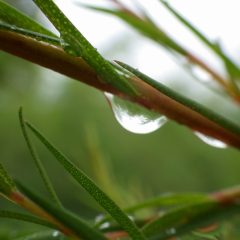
(55, 58)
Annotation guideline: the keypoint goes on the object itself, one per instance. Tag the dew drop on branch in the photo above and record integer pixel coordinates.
(98, 220)
(68, 49)
(133, 117)
(56, 235)
(211, 141)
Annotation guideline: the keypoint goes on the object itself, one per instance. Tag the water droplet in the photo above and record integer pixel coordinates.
(133, 117)
(104, 225)
(200, 73)
(171, 231)
(55, 234)
(99, 218)
(68, 49)
(131, 217)
(13, 27)
(211, 141)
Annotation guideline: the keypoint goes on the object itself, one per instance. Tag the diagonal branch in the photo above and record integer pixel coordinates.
(56, 59)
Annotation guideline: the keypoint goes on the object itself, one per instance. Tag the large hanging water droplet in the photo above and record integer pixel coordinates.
(211, 141)
(135, 118)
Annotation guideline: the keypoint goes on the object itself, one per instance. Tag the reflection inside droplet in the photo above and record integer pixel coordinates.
(104, 225)
(200, 73)
(171, 231)
(133, 117)
(99, 218)
(55, 234)
(211, 141)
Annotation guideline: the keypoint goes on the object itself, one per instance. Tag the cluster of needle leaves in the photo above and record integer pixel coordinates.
(146, 26)
(172, 215)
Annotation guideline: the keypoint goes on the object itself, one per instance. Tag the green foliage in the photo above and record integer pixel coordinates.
(38, 36)
(171, 215)
(232, 69)
(25, 218)
(68, 219)
(13, 20)
(7, 185)
(182, 220)
(12, 16)
(107, 203)
(80, 46)
(222, 121)
(46, 235)
(145, 27)
(38, 162)
(148, 28)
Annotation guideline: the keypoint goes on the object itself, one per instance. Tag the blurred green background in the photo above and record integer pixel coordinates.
(79, 121)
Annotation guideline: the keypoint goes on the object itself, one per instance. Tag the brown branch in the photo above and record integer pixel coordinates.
(54, 58)
(21, 200)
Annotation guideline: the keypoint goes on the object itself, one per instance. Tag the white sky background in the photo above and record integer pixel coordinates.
(216, 18)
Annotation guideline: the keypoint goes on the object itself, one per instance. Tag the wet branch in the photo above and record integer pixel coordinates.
(56, 59)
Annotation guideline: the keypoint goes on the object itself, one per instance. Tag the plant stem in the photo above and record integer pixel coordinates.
(227, 196)
(21, 200)
(56, 59)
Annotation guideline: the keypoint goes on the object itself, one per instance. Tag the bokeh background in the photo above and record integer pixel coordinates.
(78, 120)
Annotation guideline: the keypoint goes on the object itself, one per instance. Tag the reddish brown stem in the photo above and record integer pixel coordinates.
(227, 196)
(54, 58)
(21, 200)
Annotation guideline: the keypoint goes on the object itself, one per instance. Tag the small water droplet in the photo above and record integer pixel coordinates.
(200, 73)
(131, 217)
(55, 234)
(13, 27)
(171, 231)
(104, 225)
(211, 141)
(68, 49)
(133, 117)
(99, 218)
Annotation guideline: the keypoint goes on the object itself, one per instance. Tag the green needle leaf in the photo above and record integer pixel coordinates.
(46, 235)
(145, 27)
(25, 218)
(168, 200)
(108, 204)
(38, 36)
(38, 162)
(68, 219)
(79, 46)
(232, 68)
(12, 16)
(185, 219)
(7, 186)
